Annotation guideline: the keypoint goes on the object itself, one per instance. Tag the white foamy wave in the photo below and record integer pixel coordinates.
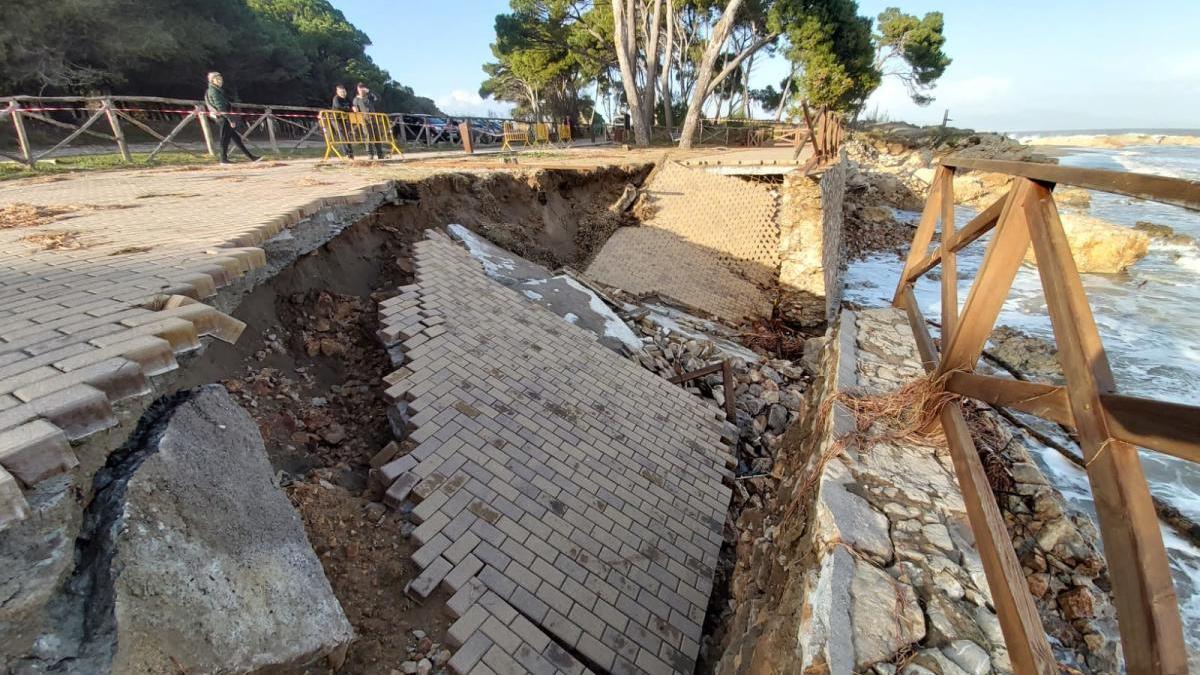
(1189, 261)
(1137, 162)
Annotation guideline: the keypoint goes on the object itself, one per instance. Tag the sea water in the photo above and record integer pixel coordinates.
(1148, 318)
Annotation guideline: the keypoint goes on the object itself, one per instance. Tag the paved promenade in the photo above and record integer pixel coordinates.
(573, 500)
(103, 278)
(100, 278)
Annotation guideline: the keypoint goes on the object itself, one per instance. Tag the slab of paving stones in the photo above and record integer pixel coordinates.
(84, 325)
(573, 502)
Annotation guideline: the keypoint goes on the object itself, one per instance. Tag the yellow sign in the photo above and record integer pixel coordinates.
(345, 129)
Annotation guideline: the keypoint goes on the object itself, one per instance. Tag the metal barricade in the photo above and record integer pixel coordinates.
(347, 129)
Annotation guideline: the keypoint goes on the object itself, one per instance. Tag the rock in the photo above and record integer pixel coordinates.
(1039, 583)
(211, 570)
(948, 621)
(777, 419)
(1164, 233)
(1072, 197)
(1030, 355)
(408, 667)
(811, 360)
(980, 188)
(937, 535)
(1100, 247)
(1027, 472)
(843, 516)
(1077, 603)
(885, 615)
(969, 656)
(424, 666)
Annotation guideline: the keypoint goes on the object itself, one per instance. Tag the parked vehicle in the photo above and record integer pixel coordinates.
(418, 128)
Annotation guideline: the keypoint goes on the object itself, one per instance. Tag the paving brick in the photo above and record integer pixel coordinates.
(469, 654)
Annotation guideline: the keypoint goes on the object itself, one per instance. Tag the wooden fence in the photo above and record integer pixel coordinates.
(163, 122)
(1108, 425)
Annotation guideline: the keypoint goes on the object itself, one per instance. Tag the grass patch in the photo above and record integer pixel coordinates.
(61, 166)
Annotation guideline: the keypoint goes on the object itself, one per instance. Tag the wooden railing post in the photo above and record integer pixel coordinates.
(1147, 609)
(205, 129)
(271, 131)
(949, 258)
(1024, 635)
(924, 233)
(1000, 264)
(22, 136)
(115, 123)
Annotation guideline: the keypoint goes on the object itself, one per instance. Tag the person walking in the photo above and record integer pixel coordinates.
(220, 110)
(342, 103)
(365, 102)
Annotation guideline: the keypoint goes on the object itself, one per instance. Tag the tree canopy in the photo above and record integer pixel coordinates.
(271, 51)
(664, 59)
(910, 49)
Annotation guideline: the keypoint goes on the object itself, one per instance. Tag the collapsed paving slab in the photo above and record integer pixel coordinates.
(735, 249)
(708, 241)
(572, 501)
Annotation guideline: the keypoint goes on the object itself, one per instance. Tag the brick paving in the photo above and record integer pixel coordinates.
(710, 242)
(85, 326)
(572, 502)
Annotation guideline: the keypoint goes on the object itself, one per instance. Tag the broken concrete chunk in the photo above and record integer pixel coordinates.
(13, 507)
(211, 570)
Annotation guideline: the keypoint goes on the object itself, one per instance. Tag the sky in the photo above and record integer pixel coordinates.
(1019, 65)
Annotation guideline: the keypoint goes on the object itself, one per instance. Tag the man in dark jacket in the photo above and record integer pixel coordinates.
(219, 109)
(342, 103)
(365, 102)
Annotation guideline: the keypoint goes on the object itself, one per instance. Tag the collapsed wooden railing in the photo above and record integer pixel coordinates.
(1108, 425)
(826, 131)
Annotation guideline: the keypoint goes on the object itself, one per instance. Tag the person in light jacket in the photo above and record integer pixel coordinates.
(366, 102)
(221, 111)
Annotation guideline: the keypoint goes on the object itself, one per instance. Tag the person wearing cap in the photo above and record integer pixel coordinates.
(342, 103)
(220, 110)
(365, 102)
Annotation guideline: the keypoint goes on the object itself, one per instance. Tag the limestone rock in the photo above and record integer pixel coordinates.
(969, 656)
(885, 615)
(212, 570)
(844, 516)
(1101, 247)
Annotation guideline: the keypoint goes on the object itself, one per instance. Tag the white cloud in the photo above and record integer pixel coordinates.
(470, 104)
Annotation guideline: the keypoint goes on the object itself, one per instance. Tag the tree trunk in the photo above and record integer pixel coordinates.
(651, 84)
(669, 13)
(746, 88)
(783, 95)
(704, 75)
(625, 40)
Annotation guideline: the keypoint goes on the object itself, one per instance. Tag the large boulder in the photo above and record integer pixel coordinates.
(210, 568)
(1099, 246)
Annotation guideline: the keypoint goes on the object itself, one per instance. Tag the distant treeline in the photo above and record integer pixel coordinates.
(270, 51)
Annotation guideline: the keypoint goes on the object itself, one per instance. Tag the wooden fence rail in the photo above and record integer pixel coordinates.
(1108, 425)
